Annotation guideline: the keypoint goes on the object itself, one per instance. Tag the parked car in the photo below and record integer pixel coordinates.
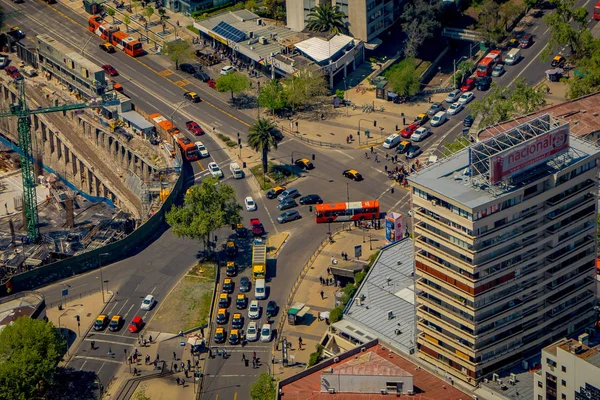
(250, 204)
(311, 199)
(453, 96)
(288, 216)
(214, 170)
(484, 83)
(468, 121)
(265, 333)
(469, 85)
(252, 332)
(287, 203)
(434, 109)
(271, 309)
(291, 192)
(203, 76)
(421, 134)
(4, 60)
(101, 322)
(241, 302)
(558, 62)
(115, 323)
(237, 321)
(187, 68)
(148, 303)
(422, 119)
(220, 335)
(276, 191)
(466, 97)
(222, 316)
(413, 152)
(455, 108)
(234, 336)
(498, 70)
(227, 70)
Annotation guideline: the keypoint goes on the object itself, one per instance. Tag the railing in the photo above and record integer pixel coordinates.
(321, 143)
(75, 296)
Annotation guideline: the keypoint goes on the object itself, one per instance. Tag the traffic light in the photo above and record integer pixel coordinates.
(313, 157)
(77, 318)
(375, 123)
(8, 287)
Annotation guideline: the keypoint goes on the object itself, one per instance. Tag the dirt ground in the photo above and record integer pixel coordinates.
(188, 305)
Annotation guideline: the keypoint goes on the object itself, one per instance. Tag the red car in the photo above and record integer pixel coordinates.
(468, 86)
(409, 130)
(136, 324)
(109, 69)
(194, 128)
(13, 72)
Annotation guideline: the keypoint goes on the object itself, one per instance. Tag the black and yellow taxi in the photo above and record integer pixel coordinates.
(352, 174)
(227, 285)
(223, 300)
(101, 322)
(276, 191)
(192, 96)
(222, 316)
(237, 321)
(231, 269)
(558, 62)
(241, 301)
(403, 147)
(304, 163)
(241, 230)
(231, 248)
(107, 47)
(422, 118)
(115, 323)
(220, 335)
(234, 336)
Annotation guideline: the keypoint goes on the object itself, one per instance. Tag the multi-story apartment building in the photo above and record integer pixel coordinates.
(570, 371)
(366, 19)
(505, 246)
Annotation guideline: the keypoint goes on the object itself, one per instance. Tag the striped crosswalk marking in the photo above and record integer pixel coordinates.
(182, 83)
(166, 72)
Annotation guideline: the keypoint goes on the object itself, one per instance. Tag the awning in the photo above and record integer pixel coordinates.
(373, 44)
(137, 120)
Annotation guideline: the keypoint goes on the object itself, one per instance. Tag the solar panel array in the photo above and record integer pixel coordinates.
(229, 32)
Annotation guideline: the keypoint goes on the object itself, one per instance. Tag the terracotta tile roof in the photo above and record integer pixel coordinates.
(426, 385)
(369, 364)
(582, 113)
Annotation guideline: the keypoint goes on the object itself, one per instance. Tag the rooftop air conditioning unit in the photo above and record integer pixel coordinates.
(410, 392)
(262, 40)
(250, 34)
(259, 21)
(495, 377)
(383, 391)
(331, 390)
(336, 359)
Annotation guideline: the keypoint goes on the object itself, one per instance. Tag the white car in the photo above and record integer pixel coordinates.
(455, 108)
(265, 333)
(252, 332)
(254, 310)
(202, 149)
(148, 303)
(420, 134)
(453, 96)
(214, 170)
(466, 97)
(227, 70)
(498, 70)
(250, 204)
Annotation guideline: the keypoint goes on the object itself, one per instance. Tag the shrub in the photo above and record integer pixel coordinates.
(316, 356)
(340, 94)
(336, 314)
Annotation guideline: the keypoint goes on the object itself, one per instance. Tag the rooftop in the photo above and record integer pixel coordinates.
(451, 177)
(68, 52)
(587, 353)
(19, 305)
(320, 49)
(376, 359)
(388, 287)
(582, 113)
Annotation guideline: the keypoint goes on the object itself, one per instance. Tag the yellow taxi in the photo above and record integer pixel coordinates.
(304, 163)
(276, 191)
(241, 301)
(234, 336)
(231, 248)
(558, 61)
(101, 322)
(220, 335)
(192, 96)
(115, 323)
(352, 174)
(403, 147)
(227, 285)
(223, 300)
(231, 269)
(107, 47)
(222, 316)
(422, 118)
(237, 321)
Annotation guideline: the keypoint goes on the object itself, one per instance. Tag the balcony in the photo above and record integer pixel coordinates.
(451, 298)
(450, 324)
(562, 253)
(555, 213)
(577, 287)
(420, 243)
(448, 337)
(562, 197)
(433, 305)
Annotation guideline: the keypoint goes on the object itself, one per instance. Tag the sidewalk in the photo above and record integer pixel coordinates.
(312, 330)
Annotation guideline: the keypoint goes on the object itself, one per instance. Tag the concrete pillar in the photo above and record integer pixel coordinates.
(97, 185)
(74, 165)
(51, 140)
(89, 180)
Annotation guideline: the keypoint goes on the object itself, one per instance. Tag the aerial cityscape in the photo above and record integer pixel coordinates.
(299, 199)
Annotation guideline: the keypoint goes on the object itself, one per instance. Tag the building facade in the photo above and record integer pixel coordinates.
(505, 247)
(366, 19)
(570, 370)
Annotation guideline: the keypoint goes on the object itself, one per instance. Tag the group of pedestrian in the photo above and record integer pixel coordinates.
(345, 256)
(326, 281)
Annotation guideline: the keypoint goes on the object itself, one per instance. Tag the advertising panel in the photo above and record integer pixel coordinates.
(529, 154)
(393, 228)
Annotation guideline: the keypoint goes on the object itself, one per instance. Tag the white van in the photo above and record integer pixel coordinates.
(513, 56)
(439, 118)
(236, 171)
(392, 141)
(260, 289)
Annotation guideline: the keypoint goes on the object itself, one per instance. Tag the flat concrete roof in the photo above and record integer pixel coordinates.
(321, 49)
(446, 177)
(23, 305)
(67, 51)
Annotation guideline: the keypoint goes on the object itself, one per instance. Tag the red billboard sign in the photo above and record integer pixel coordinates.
(529, 154)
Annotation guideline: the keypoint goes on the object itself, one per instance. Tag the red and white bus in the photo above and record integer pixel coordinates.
(112, 34)
(352, 211)
(486, 65)
(597, 11)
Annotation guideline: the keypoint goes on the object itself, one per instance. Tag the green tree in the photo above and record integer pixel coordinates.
(148, 12)
(263, 388)
(30, 349)
(405, 79)
(529, 4)
(251, 5)
(336, 314)
(586, 79)
(463, 69)
(305, 88)
(179, 51)
(420, 19)
(527, 99)
(127, 22)
(568, 27)
(161, 12)
(508, 12)
(489, 25)
(272, 96)
(234, 82)
(326, 18)
(135, 4)
(272, 6)
(111, 11)
(206, 208)
(262, 136)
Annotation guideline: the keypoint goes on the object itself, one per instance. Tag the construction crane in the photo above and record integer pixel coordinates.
(22, 112)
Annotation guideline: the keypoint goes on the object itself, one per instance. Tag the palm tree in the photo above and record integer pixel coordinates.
(326, 18)
(261, 137)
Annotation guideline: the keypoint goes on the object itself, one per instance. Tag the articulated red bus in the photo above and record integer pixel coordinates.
(114, 36)
(352, 211)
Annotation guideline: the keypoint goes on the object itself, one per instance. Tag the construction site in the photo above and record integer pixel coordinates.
(75, 176)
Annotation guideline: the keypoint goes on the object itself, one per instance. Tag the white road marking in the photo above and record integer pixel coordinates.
(384, 192)
(108, 341)
(284, 142)
(152, 292)
(121, 309)
(347, 155)
(83, 365)
(99, 359)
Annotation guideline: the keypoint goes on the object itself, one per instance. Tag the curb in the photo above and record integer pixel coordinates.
(284, 241)
(366, 146)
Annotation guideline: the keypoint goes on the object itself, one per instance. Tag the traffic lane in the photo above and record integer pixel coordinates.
(105, 369)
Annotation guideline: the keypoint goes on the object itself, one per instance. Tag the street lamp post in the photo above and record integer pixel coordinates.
(359, 121)
(257, 102)
(101, 277)
(455, 62)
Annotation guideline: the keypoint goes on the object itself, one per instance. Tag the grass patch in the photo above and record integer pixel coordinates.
(458, 144)
(228, 142)
(400, 65)
(197, 309)
(204, 270)
(191, 28)
(257, 171)
(278, 175)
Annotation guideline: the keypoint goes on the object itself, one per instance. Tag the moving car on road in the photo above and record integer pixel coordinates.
(192, 96)
(234, 336)
(223, 300)
(409, 130)
(109, 69)
(222, 316)
(202, 150)
(304, 163)
(466, 97)
(453, 96)
(214, 170)
(422, 119)
(468, 121)
(455, 108)
(254, 310)
(469, 85)
(311, 199)
(227, 285)
(244, 284)
(435, 108)
(276, 191)
(250, 204)
(241, 301)
(115, 323)
(136, 324)
(252, 332)
(287, 216)
(352, 174)
(265, 333)
(107, 47)
(271, 309)
(148, 303)
(403, 147)
(392, 141)
(237, 321)
(421, 134)
(193, 127)
(484, 83)
(439, 118)
(231, 269)
(413, 152)
(101, 322)
(498, 70)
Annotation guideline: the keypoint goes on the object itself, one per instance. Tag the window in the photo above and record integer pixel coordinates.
(540, 397)
(550, 362)
(563, 368)
(530, 190)
(540, 385)
(563, 382)
(563, 396)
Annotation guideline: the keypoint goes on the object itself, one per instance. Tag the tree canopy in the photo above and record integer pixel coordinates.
(272, 96)
(235, 82)
(586, 78)
(206, 208)
(404, 79)
(420, 20)
(263, 388)
(262, 136)
(304, 88)
(30, 349)
(568, 27)
(179, 51)
(326, 18)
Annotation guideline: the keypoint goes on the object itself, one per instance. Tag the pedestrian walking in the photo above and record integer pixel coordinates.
(175, 367)
(254, 363)
(253, 354)
(321, 280)
(150, 338)
(174, 356)
(372, 150)
(135, 372)
(386, 156)
(300, 341)
(197, 362)
(322, 295)
(182, 366)
(186, 373)
(376, 158)
(385, 168)
(157, 357)
(110, 353)
(182, 382)
(177, 380)
(189, 364)
(93, 344)
(328, 271)
(243, 357)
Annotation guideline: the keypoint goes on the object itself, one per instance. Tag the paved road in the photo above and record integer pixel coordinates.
(163, 263)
